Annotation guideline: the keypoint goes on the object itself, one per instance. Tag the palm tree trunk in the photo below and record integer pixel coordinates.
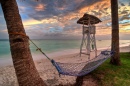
(79, 81)
(115, 59)
(25, 69)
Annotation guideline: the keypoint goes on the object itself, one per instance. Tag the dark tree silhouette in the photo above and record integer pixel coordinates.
(115, 59)
(25, 69)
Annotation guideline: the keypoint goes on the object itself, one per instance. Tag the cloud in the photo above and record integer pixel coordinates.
(31, 22)
(124, 17)
(58, 18)
(122, 4)
(87, 3)
(40, 7)
(47, 9)
(124, 12)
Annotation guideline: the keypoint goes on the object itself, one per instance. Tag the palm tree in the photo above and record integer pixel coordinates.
(25, 69)
(115, 59)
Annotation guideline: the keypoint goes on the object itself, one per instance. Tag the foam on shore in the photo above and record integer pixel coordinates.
(46, 70)
(7, 60)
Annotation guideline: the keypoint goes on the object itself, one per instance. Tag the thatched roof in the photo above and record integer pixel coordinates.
(86, 17)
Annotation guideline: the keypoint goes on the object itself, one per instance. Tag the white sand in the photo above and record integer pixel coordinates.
(48, 72)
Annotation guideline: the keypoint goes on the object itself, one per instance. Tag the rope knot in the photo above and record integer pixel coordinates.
(17, 33)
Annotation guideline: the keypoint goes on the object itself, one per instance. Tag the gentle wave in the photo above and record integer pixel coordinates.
(54, 48)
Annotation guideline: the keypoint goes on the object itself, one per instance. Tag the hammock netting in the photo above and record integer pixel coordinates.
(81, 69)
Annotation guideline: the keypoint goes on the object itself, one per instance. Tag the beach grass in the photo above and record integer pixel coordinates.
(111, 75)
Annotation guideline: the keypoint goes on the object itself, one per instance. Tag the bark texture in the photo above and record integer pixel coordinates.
(115, 59)
(25, 69)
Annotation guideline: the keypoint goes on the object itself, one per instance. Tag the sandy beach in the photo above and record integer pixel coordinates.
(48, 72)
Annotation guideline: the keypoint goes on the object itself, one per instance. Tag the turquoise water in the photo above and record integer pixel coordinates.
(4, 47)
(50, 46)
(55, 45)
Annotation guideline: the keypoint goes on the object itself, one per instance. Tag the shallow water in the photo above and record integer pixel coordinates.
(53, 47)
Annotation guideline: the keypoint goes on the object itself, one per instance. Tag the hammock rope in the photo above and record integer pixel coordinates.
(75, 69)
(83, 68)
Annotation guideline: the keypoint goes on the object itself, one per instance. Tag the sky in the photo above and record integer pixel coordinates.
(57, 19)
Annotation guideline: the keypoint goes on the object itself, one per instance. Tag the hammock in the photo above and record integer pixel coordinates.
(76, 69)
(81, 69)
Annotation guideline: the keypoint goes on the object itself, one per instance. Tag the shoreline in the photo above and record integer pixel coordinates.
(47, 71)
(6, 60)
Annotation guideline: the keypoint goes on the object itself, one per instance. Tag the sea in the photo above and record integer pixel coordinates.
(52, 48)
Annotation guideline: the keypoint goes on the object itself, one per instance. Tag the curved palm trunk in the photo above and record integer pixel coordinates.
(115, 33)
(25, 69)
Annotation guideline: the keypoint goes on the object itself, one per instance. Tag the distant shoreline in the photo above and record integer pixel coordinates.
(7, 60)
(46, 70)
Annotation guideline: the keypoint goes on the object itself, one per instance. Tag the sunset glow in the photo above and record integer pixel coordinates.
(59, 17)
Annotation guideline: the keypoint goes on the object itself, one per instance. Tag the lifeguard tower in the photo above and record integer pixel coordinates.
(88, 43)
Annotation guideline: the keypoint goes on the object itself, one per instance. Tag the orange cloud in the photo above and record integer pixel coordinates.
(40, 7)
(124, 28)
(96, 6)
(49, 21)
